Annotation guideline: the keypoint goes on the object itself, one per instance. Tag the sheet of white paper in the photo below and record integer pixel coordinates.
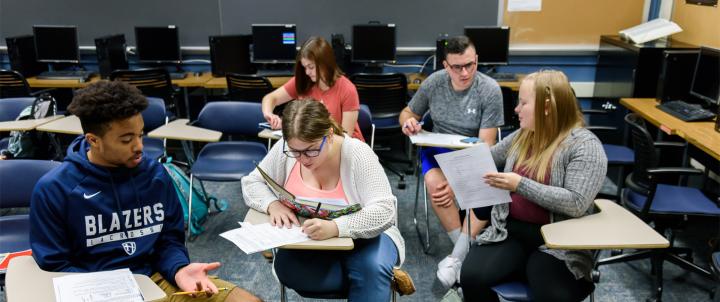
(464, 170)
(109, 286)
(277, 133)
(330, 201)
(439, 139)
(259, 237)
(524, 5)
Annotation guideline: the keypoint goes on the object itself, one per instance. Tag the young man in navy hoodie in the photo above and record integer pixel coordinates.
(108, 207)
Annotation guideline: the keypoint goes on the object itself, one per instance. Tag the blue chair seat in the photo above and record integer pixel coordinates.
(153, 147)
(513, 291)
(386, 123)
(675, 200)
(228, 161)
(619, 155)
(15, 235)
(4, 143)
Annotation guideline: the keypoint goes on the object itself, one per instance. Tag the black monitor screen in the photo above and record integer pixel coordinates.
(230, 54)
(373, 43)
(491, 43)
(706, 80)
(158, 44)
(56, 44)
(274, 43)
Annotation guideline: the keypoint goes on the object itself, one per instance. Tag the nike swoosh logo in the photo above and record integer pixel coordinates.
(90, 196)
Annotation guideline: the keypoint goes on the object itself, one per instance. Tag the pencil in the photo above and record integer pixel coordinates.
(419, 124)
(197, 292)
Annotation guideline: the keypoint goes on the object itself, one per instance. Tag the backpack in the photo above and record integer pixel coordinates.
(200, 199)
(36, 144)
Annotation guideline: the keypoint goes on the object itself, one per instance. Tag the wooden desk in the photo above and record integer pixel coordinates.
(221, 82)
(25, 281)
(180, 130)
(66, 125)
(26, 125)
(613, 227)
(34, 82)
(700, 134)
(340, 244)
(192, 80)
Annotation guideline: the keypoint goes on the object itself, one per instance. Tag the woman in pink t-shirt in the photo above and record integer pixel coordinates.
(317, 76)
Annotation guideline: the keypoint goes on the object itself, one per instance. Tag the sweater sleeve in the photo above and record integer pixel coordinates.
(171, 253)
(48, 236)
(585, 169)
(378, 202)
(500, 150)
(256, 193)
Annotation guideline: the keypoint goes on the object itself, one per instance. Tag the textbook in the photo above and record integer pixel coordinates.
(308, 208)
(5, 258)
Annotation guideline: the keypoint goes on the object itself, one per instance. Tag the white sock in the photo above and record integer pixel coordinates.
(454, 234)
(461, 247)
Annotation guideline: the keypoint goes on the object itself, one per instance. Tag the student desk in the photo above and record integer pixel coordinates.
(342, 244)
(26, 125)
(268, 134)
(180, 130)
(65, 125)
(221, 82)
(613, 227)
(25, 281)
(34, 82)
(700, 134)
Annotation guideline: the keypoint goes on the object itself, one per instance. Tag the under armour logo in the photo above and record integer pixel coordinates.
(129, 247)
(471, 111)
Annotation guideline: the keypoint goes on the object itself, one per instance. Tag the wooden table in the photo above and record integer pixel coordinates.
(25, 281)
(26, 125)
(66, 125)
(700, 134)
(613, 227)
(340, 244)
(180, 130)
(34, 82)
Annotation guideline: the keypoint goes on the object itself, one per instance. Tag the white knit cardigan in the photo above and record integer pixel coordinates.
(364, 182)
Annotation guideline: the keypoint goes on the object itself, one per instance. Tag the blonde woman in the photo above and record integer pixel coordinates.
(553, 169)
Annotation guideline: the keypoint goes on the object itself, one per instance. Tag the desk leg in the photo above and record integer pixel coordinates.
(186, 98)
(426, 243)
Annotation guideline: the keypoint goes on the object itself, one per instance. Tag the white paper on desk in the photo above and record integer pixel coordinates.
(524, 5)
(431, 138)
(464, 170)
(108, 286)
(277, 133)
(259, 237)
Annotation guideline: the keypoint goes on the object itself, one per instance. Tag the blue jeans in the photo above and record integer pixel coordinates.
(361, 274)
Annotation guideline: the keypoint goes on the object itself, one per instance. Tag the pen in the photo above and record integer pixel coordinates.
(419, 124)
(197, 292)
(318, 207)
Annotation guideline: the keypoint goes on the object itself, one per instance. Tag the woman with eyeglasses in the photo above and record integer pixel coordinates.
(318, 77)
(316, 159)
(554, 168)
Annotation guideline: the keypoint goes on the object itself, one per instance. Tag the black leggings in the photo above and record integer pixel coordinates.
(517, 258)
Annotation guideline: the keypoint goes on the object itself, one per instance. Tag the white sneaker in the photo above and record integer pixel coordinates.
(449, 271)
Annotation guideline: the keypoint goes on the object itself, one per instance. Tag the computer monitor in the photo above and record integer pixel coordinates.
(274, 43)
(111, 54)
(56, 44)
(492, 43)
(373, 43)
(706, 80)
(230, 54)
(158, 44)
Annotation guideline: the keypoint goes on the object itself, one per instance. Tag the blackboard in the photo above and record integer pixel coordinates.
(418, 22)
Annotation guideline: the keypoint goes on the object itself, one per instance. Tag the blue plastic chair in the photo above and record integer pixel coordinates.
(618, 155)
(650, 200)
(10, 108)
(154, 117)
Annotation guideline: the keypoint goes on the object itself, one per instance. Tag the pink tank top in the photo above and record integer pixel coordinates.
(297, 187)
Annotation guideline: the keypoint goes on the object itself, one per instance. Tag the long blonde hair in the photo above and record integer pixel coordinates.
(556, 115)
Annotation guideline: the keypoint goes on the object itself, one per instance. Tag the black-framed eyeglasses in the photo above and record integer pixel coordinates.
(306, 152)
(459, 68)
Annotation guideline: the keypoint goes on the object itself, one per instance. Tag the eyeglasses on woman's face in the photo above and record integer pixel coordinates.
(307, 152)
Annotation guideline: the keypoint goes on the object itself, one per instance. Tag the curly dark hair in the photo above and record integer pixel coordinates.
(103, 102)
(457, 45)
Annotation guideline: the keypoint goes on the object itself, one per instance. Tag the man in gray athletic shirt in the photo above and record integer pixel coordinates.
(462, 101)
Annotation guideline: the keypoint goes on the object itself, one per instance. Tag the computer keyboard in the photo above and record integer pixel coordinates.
(275, 73)
(685, 111)
(81, 75)
(177, 75)
(501, 76)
